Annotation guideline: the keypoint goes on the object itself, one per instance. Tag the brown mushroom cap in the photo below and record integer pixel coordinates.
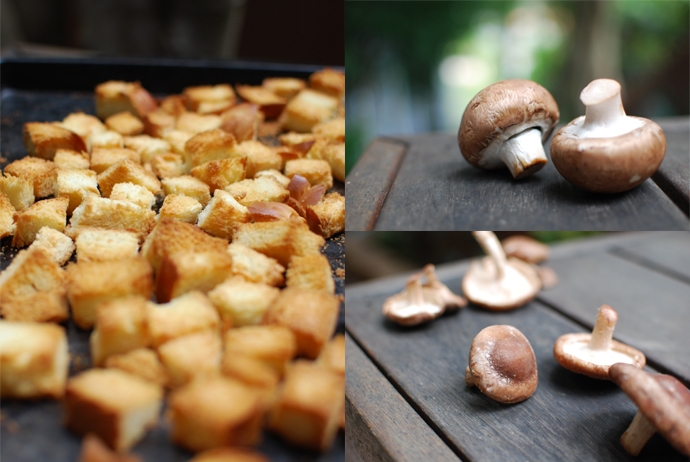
(525, 248)
(410, 307)
(502, 364)
(662, 399)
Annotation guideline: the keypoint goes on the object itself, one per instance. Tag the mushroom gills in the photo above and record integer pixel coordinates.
(523, 153)
(583, 351)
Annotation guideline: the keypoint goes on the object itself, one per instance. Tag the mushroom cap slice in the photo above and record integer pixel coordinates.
(483, 284)
(410, 307)
(661, 398)
(525, 248)
(502, 364)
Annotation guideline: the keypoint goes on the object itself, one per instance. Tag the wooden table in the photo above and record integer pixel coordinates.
(406, 397)
(422, 182)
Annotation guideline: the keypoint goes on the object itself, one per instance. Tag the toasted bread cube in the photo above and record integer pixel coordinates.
(242, 121)
(50, 212)
(44, 139)
(309, 405)
(259, 157)
(333, 129)
(114, 96)
(314, 170)
(96, 244)
(333, 355)
(34, 360)
(75, 185)
(307, 109)
(93, 449)
(19, 192)
(280, 239)
(269, 103)
(169, 165)
(127, 171)
(229, 455)
(210, 99)
(243, 302)
(142, 362)
(121, 326)
(254, 373)
(274, 345)
(190, 313)
(310, 315)
(42, 174)
(95, 282)
(171, 236)
(106, 140)
(67, 159)
(117, 406)
(262, 189)
(210, 145)
(296, 139)
(218, 174)
(311, 272)
(147, 147)
(134, 193)
(182, 208)
(158, 123)
(58, 246)
(215, 412)
(279, 177)
(187, 186)
(328, 81)
(254, 266)
(183, 272)
(83, 125)
(125, 123)
(196, 123)
(177, 140)
(175, 105)
(328, 216)
(334, 154)
(104, 158)
(99, 212)
(222, 216)
(7, 211)
(285, 87)
(192, 356)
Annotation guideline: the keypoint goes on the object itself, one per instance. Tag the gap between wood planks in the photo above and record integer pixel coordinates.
(646, 263)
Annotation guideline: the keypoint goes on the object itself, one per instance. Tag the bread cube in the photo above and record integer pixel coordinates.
(215, 412)
(34, 360)
(83, 125)
(175, 105)
(210, 99)
(125, 123)
(274, 345)
(223, 215)
(183, 272)
(42, 174)
(285, 87)
(96, 244)
(121, 325)
(117, 406)
(7, 211)
(142, 362)
(269, 103)
(259, 157)
(210, 145)
(158, 123)
(190, 313)
(127, 171)
(196, 123)
(334, 154)
(308, 407)
(254, 373)
(187, 186)
(75, 185)
(328, 216)
(44, 139)
(104, 158)
(99, 212)
(244, 303)
(134, 193)
(275, 174)
(19, 191)
(242, 121)
(147, 146)
(307, 109)
(169, 165)
(49, 212)
(218, 174)
(328, 81)
(316, 171)
(229, 455)
(93, 449)
(333, 129)
(311, 272)
(262, 189)
(92, 283)
(333, 355)
(311, 315)
(115, 96)
(297, 139)
(192, 356)
(106, 140)
(280, 239)
(182, 208)
(67, 159)
(177, 140)
(58, 246)
(254, 266)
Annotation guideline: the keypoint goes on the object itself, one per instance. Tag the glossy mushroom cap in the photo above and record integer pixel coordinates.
(499, 114)
(525, 248)
(502, 364)
(410, 307)
(664, 407)
(605, 150)
(593, 354)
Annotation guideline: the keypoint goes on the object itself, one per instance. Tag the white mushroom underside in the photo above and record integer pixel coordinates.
(620, 126)
(403, 310)
(486, 288)
(599, 357)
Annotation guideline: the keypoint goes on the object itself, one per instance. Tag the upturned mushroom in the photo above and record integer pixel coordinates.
(497, 283)
(435, 290)
(502, 364)
(605, 150)
(664, 407)
(525, 248)
(593, 354)
(410, 307)
(506, 124)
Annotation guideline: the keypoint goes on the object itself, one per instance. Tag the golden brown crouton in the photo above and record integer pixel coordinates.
(223, 215)
(7, 211)
(184, 315)
(93, 449)
(117, 406)
(125, 123)
(310, 315)
(218, 174)
(127, 171)
(175, 105)
(177, 140)
(34, 360)
(158, 123)
(44, 139)
(307, 109)
(83, 125)
(333, 129)
(274, 345)
(188, 186)
(254, 266)
(67, 159)
(104, 158)
(96, 244)
(183, 272)
(134, 193)
(295, 139)
(196, 123)
(50, 212)
(147, 147)
(314, 170)
(182, 208)
(210, 99)
(229, 455)
(106, 140)
(242, 121)
(75, 185)
(99, 212)
(259, 157)
(241, 301)
(254, 373)
(95, 282)
(269, 103)
(333, 355)
(169, 165)
(282, 179)
(328, 216)
(334, 154)
(215, 412)
(42, 174)
(311, 272)
(280, 239)
(328, 81)
(121, 326)
(58, 246)
(262, 189)
(142, 362)
(114, 96)
(191, 357)
(285, 87)
(210, 145)
(19, 192)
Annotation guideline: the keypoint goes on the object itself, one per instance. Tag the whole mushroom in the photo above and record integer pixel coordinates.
(410, 307)
(435, 290)
(605, 150)
(506, 124)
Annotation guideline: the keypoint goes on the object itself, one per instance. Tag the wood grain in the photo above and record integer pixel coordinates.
(668, 253)
(673, 176)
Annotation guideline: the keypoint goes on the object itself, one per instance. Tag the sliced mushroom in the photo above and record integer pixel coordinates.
(593, 354)
(435, 290)
(506, 124)
(497, 283)
(502, 364)
(410, 307)
(664, 407)
(605, 150)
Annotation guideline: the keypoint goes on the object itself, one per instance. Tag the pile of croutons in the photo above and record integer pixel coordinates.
(240, 337)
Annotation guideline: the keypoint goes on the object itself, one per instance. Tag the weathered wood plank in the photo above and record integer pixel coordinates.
(668, 253)
(369, 182)
(381, 425)
(673, 176)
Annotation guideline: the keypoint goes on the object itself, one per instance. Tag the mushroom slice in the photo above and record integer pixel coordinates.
(497, 283)
(502, 364)
(436, 291)
(506, 124)
(526, 249)
(605, 150)
(664, 407)
(410, 307)
(593, 354)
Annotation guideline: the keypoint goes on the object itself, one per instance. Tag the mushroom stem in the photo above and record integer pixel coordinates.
(603, 329)
(524, 154)
(637, 434)
(493, 248)
(468, 377)
(604, 116)
(430, 274)
(415, 295)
